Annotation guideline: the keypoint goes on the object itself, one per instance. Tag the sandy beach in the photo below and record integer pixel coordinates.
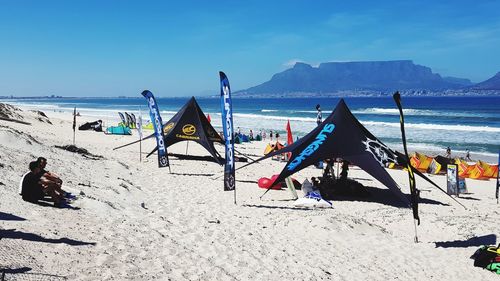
(134, 221)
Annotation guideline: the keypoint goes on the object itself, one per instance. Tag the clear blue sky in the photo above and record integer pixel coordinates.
(176, 48)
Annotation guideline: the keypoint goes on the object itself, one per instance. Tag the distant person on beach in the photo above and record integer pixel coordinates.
(319, 116)
(277, 136)
(239, 131)
(271, 135)
(448, 152)
(250, 135)
(263, 133)
(467, 155)
(34, 190)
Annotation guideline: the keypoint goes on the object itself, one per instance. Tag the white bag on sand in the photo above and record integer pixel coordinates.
(312, 200)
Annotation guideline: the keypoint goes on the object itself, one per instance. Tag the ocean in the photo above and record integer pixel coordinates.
(432, 123)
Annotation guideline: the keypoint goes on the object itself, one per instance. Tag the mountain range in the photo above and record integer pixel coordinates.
(364, 76)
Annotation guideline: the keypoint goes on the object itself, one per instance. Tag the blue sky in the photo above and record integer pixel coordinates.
(176, 48)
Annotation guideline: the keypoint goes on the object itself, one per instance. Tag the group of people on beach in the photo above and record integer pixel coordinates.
(273, 134)
(260, 135)
(38, 183)
(467, 154)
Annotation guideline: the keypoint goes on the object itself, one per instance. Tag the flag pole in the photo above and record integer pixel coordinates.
(139, 129)
(74, 125)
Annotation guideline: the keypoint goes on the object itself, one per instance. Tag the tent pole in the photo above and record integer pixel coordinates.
(235, 196)
(187, 145)
(415, 226)
(244, 155)
(264, 193)
(139, 130)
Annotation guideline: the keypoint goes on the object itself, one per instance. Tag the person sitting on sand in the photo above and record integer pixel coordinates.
(49, 179)
(48, 176)
(33, 190)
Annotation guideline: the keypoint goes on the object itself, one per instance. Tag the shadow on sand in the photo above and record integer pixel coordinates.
(23, 269)
(247, 181)
(276, 207)
(21, 273)
(14, 234)
(10, 217)
(490, 239)
(468, 198)
(386, 197)
(48, 203)
(192, 174)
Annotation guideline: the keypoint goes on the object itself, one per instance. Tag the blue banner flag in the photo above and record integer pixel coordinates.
(227, 125)
(154, 113)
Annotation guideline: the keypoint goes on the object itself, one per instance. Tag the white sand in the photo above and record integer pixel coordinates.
(188, 228)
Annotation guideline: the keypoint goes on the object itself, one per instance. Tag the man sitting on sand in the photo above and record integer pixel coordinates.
(48, 177)
(34, 190)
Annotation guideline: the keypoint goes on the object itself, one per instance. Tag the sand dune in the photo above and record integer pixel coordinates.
(134, 221)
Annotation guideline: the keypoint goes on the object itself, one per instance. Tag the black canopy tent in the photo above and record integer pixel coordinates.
(341, 135)
(190, 124)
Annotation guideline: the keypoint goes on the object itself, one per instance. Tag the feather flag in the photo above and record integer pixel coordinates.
(154, 114)
(413, 188)
(289, 137)
(228, 129)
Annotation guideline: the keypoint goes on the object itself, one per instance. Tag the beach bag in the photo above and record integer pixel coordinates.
(494, 266)
(488, 257)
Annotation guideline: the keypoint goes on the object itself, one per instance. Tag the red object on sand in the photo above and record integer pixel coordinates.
(265, 182)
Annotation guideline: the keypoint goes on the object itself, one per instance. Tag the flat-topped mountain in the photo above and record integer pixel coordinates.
(364, 75)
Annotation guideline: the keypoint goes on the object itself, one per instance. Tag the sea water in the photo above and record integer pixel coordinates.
(432, 123)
